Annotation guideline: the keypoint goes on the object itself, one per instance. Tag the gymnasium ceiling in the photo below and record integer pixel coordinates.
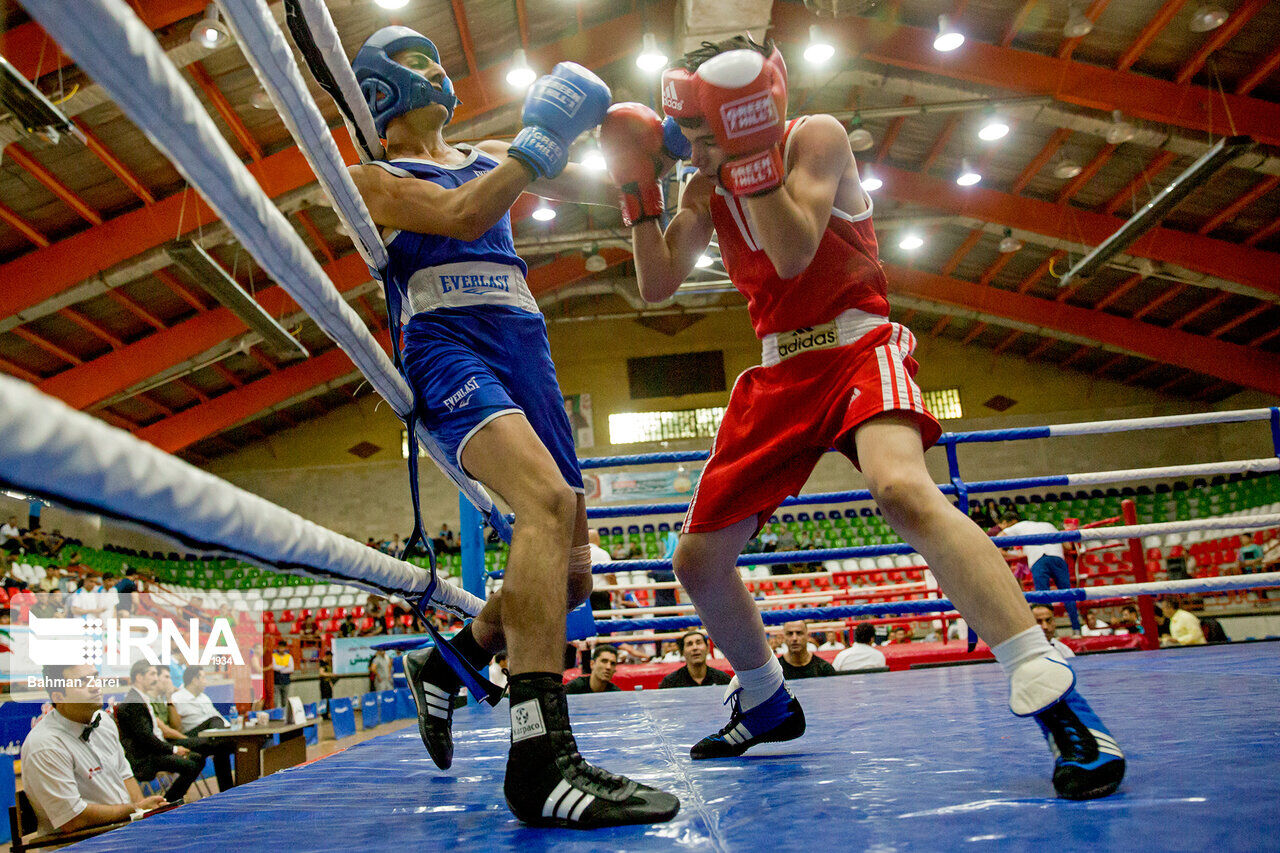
(93, 311)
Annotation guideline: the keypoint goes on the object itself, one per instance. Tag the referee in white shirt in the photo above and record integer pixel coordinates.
(1048, 562)
(73, 769)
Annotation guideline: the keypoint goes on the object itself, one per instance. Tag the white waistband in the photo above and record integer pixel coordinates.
(844, 329)
(468, 283)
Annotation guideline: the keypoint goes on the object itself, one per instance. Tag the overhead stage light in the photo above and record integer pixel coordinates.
(968, 176)
(209, 31)
(870, 182)
(1078, 24)
(520, 76)
(543, 212)
(910, 242)
(1208, 16)
(819, 51)
(651, 57)
(948, 38)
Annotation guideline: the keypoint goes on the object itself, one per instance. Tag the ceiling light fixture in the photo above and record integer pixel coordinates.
(543, 212)
(595, 262)
(948, 38)
(860, 138)
(819, 51)
(1066, 169)
(520, 76)
(968, 175)
(993, 128)
(1078, 24)
(910, 241)
(594, 160)
(209, 32)
(651, 57)
(1010, 243)
(1119, 131)
(870, 182)
(392, 4)
(1206, 17)
(703, 262)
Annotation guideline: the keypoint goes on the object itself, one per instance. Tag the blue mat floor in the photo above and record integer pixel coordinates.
(924, 760)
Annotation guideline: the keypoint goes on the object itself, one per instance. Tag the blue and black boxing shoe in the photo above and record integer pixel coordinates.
(776, 719)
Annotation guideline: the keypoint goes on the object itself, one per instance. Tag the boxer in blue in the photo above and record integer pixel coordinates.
(475, 352)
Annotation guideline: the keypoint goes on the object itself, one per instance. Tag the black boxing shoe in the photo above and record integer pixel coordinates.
(549, 784)
(776, 719)
(435, 692)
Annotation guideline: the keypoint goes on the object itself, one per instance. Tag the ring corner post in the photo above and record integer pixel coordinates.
(1146, 604)
(471, 530)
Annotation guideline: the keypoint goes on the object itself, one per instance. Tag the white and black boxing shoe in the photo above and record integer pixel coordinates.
(435, 691)
(549, 784)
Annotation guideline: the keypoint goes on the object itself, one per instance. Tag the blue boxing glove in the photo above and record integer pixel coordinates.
(673, 139)
(559, 107)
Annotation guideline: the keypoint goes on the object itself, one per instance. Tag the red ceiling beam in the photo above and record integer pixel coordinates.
(1199, 311)
(258, 356)
(191, 388)
(112, 162)
(978, 328)
(1077, 183)
(958, 255)
(53, 269)
(91, 327)
(1240, 319)
(1149, 33)
(202, 420)
(1141, 373)
(1229, 212)
(1019, 20)
(1155, 167)
(179, 289)
(522, 17)
(892, 131)
(1094, 11)
(1041, 270)
(1260, 72)
(1231, 362)
(23, 226)
(1264, 337)
(135, 309)
(464, 35)
(1229, 261)
(225, 372)
(1151, 306)
(1194, 107)
(120, 369)
(1119, 290)
(49, 347)
(309, 225)
(1265, 232)
(1219, 37)
(34, 54)
(1040, 349)
(36, 169)
(225, 110)
(21, 372)
(1107, 365)
(1007, 342)
(939, 326)
(1046, 154)
(940, 143)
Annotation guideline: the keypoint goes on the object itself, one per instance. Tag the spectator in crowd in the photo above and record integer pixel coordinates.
(375, 608)
(11, 535)
(862, 654)
(498, 669)
(1251, 558)
(191, 712)
(768, 539)
(775, 644)
(1184, 627)
(348, 627)
(1048, 561)
(1129, 621)
(899, 634)
(669, 653)
(161, 695)
(1043, 614)
(74, 770)
(142, 735)
(799, 660)
(380, 677)
(604, 663)
(328, 677)
(695, 672)
(282, 669)
(309, 628)
(129, 583)
(829, 642)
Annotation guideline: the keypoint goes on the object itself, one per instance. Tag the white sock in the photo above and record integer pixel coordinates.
(1020, 648)
(760, 683)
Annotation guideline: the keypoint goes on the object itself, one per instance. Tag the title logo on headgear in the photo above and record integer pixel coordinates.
(747, 115)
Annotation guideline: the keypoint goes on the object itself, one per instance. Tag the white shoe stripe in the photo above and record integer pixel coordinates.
(742, 732)
(570, 800)
(548, 808)
(581, 807)
(432, 690)
(433, 711)
(438, 702)
(1110, 751)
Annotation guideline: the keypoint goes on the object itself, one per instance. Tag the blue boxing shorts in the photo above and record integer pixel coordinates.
(468, 366)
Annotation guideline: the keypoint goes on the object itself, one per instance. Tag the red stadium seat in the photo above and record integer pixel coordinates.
(338, 612)
(406, 619)
(322, 613)
(267, 615)
(271, 628)
(1153, 554)
(304, 614)
(286, 616)
(366, 623)
(357, 611)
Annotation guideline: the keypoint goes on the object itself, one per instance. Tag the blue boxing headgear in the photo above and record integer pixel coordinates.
(389, 88)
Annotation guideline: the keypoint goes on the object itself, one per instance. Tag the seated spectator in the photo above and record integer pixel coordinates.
(768, 539)
(799, 661)
(191, 712)
(1184, 627)
(669, 653)
(11, 535)
(1129, 621)
(1251, 559)
(142, 735)
(900, 634)
(164, 690)
(129, 583)
(862, 654)
(348, 627)
(1043, 614)
(828, 642)
(604, 663)
(74, 771)
(376, 608)
(695, 671)
(309, 628)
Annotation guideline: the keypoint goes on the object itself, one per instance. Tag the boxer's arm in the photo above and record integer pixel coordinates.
(789, 222)
(665, 259)
(576, 183)
(423, 207)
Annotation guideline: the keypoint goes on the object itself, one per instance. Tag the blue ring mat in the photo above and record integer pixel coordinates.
(929, 759)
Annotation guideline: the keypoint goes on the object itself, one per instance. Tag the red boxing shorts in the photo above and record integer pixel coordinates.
(783, 417)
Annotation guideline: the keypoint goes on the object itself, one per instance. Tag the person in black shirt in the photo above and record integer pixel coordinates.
(604, 662)
(799, 661)
(695, 671)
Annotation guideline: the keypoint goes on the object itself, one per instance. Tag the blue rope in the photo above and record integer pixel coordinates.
(777, 617)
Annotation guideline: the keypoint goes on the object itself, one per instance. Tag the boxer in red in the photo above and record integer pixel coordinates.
(794, 230)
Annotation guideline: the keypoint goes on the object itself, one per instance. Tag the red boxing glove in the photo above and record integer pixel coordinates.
(631, 139)
(743, 96)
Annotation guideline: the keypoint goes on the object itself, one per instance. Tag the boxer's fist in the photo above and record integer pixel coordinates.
(632, 140)
(744, 102)
(559, 107)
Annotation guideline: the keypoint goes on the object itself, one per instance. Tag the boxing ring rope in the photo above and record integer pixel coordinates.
(110, 43)
(52, 451)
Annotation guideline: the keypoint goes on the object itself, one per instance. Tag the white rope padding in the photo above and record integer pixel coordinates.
(110, 43)
(1138, 531)
(325, 35)
(1162, 422)
(69, 457)
(1226, 583)
(1203, 469)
